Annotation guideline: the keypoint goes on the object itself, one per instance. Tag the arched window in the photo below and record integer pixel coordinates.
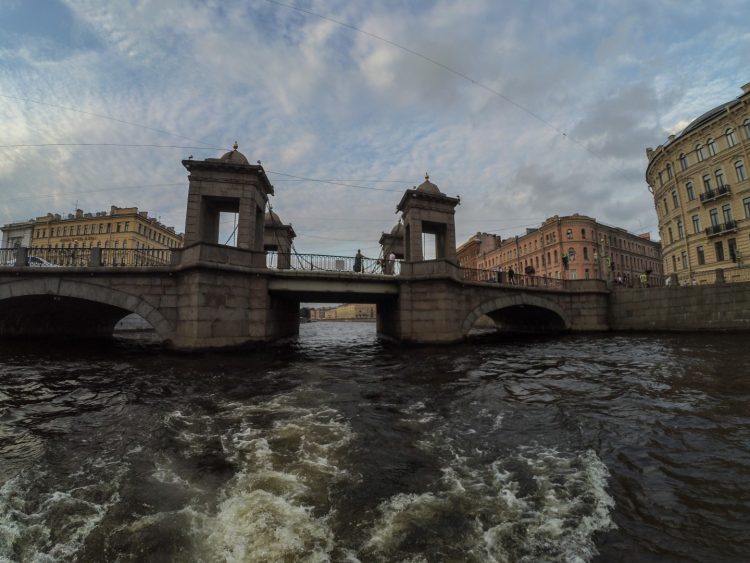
(675, 201)
(706, 183)
(690, 191)
(731, 137)
(585, 252)
(746, 125)
(583, 233)
(699, 152)
(572, 254)
(569, 233)
(739, 168)
(669, 171)
(719, 178)
(683, 161)
(711, 146)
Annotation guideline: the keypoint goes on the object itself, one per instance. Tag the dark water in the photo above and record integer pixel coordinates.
(580, 448)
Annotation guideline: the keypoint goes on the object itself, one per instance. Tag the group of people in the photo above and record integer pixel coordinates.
(387, 265)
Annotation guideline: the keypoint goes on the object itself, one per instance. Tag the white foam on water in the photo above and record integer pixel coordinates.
(51, 526)
(548, 510)
(278, 506)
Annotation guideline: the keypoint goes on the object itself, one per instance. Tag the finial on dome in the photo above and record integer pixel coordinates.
(235, 146)
(426, 176)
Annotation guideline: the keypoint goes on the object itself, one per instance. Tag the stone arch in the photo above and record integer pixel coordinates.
(91, 292)
(507, 301)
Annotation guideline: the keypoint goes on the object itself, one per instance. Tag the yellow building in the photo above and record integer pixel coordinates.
(346, 312)
(117, 232)
(701, 187)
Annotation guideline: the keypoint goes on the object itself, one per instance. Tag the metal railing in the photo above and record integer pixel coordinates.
(712, 277)
(83, 257)
(710, 195)
(71, 257)
(502, 278)
(327, 263)
(132, 257)
(721, 228)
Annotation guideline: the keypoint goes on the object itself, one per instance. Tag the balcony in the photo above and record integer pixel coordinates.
(719, 192)
(721, 228)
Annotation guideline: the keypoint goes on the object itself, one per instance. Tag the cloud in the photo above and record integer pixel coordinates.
(315, 99)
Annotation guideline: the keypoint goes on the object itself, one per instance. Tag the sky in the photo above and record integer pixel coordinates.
(524, 109)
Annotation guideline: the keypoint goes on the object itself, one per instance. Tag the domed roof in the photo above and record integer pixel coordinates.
(428, 187)
(398, 229)
(234, 157)
(705, 117)
(272, 219)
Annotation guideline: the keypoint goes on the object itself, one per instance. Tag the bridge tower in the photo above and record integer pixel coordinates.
(228, 184)
(278, 237)
(426, 210)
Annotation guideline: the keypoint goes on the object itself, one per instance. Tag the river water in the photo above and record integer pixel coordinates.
(340, 448)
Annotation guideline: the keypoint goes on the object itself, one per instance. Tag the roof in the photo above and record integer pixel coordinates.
(706, 117)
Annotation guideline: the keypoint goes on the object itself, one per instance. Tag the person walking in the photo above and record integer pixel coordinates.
(511, 273)
(358, 261)
(392, 263)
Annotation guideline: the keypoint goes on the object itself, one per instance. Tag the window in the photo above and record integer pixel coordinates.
(585, 252)
(127, 227)
(719, 246)
(699, 152)
(746, 205)
(701, 255)
(697, 223)
(732, 244)
(719, 178)
(714, 214)
(572, 254)
(675, 201)
(739, 168)
(706, 183)
(666, 209)
(85, 229)
(746, 125)
(674, 263)
(711, 146)
(684, 260)
(683, 161)
(680, 229)
(731, 137)
(671, 236)
(690, 191)
(669, 171)
(118, 227)
(583, 233)
(726, 211)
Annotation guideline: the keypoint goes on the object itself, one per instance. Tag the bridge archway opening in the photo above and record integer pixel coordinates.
(526, 319)
(62, 318)
(514, 315)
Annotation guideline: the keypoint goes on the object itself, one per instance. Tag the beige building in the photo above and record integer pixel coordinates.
(346, 312)
(120, 229)
(591, 250)
(701, 186)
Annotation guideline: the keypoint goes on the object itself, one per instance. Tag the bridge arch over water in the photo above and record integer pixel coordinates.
(55, 306)
(520, 313)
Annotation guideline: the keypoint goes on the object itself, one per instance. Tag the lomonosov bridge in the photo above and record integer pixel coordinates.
(208, 295)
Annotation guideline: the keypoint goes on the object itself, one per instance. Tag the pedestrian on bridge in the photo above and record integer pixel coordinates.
(511, 274)
(358, 261)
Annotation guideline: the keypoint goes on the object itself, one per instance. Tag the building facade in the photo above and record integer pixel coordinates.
(17, 234)
(577, 247)
(345, 312)
(121, 228)
(478, 245)
(700, 180)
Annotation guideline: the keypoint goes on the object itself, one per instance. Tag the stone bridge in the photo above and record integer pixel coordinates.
(215, 297)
